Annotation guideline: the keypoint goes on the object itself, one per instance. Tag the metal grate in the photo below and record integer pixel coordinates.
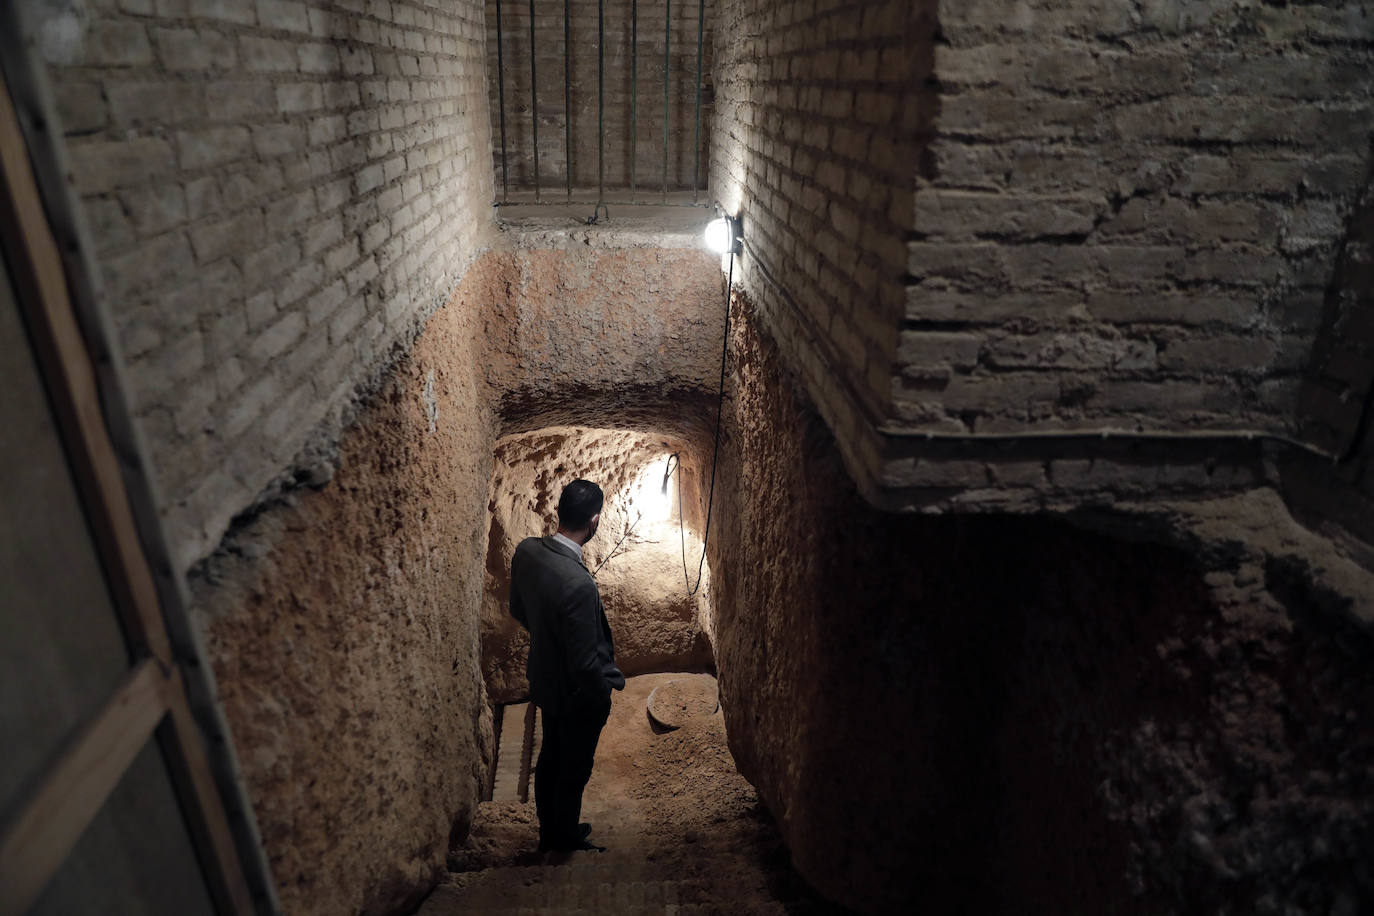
(682, 78)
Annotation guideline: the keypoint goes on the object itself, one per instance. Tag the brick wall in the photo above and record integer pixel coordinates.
(1131, 214)
(279, 191)
(821, 111)
(1090, 215)
(638, 90)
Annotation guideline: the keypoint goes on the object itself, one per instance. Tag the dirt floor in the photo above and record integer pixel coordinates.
(683, 832)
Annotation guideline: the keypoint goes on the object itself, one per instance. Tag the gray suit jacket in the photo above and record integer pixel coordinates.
(572, 657)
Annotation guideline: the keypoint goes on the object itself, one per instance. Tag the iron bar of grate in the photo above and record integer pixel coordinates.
(667, 46)
(501, 104)
(567, 93)
(696, 137)
(600, 101)
(634, 90)
(534, 104)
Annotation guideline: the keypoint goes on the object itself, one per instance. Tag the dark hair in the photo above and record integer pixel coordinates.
(579, 501)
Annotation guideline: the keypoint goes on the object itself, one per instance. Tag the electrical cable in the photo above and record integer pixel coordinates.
(715, 450)
(607, 558)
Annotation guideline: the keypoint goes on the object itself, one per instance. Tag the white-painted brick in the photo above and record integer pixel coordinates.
(212, 146)
(234, 163)
(283, 14)
(241, 12)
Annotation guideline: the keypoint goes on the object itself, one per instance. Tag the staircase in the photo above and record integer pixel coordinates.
(683, 833)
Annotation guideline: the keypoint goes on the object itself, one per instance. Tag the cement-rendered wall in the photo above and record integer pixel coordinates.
(630, 85)
(278, 192)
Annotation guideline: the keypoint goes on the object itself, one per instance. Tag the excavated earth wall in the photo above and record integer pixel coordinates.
(344, 610)
(1124, 711)
(340, 619)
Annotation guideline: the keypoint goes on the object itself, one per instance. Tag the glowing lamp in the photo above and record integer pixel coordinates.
(723, 235)
(650, 492)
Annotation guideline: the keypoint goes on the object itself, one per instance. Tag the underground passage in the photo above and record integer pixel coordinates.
(980, 399)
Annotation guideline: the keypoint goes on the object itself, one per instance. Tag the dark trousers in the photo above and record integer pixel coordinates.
(564, 766)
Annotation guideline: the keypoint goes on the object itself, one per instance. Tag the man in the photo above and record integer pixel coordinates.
(572, 661)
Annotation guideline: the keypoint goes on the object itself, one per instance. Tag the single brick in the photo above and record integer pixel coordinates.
(278, 139)
(277, 337)
(267, 55)
(161, 103)
(260, 308)
(318, 58)
(299, 283)
(159, 262)
(272, 260)
(81, 106)
(368, 178)
(193, 49)
(237, 233)
(155, 208)
(105, 165)
(286, 212)
(322, 235)
(212, 146)
(929, 348)
(297, 97)
(324, 303)
(250, 183)
(283, 14)
(328, 129)
(117, 43)
(241, 12)
(249, 404)
(972, 214)
(240, 100)
(1221, 353)
(111, 229)
(347, 319)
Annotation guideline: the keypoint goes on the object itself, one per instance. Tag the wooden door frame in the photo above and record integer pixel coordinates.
(169, 690)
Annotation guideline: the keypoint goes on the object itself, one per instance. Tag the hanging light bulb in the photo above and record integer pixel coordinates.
(722, 235)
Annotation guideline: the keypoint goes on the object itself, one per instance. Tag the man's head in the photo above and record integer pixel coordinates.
(579, 509)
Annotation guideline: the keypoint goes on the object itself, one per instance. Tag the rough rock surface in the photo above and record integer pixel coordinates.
(656, 624)
(1104, 723)
(341, 624)
(627, 337)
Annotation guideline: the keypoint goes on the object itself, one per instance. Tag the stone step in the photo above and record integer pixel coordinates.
(595, 887)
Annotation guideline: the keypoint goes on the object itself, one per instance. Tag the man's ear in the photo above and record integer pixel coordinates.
(595, 520)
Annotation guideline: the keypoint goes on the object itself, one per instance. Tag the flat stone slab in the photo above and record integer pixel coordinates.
(674, 704)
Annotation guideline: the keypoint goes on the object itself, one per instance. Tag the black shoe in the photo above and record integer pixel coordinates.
(578, 845)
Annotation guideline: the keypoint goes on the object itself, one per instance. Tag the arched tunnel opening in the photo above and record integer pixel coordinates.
(645, 557)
